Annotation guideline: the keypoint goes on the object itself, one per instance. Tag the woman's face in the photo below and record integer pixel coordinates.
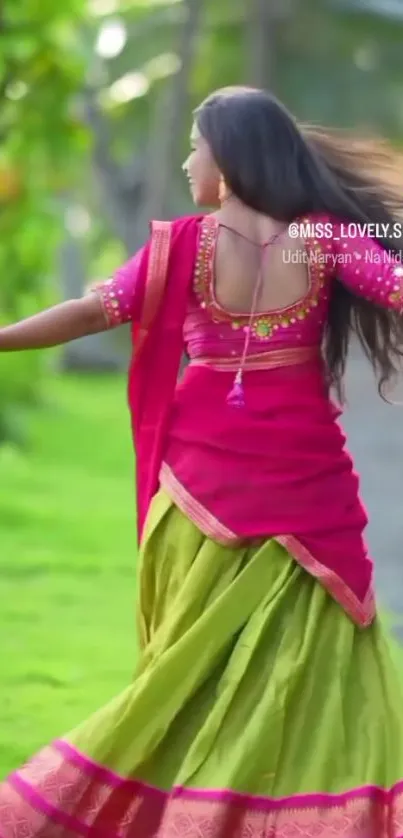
(202, 171)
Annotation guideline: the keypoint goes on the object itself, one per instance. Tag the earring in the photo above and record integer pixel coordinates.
(223, 192)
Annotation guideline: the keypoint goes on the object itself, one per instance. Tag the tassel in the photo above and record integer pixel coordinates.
(236, 398)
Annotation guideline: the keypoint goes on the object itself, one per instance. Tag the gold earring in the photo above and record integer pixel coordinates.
(222, 190)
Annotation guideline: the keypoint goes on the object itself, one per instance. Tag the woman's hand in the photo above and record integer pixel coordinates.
(61, 324)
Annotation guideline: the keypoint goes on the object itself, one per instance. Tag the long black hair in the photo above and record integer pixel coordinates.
(285, 170)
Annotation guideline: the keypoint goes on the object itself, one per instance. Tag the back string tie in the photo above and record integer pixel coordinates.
(236, 397)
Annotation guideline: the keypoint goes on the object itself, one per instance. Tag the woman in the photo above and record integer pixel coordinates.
(266, 701)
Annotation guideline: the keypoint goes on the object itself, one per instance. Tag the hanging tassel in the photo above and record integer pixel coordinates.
(236, 398)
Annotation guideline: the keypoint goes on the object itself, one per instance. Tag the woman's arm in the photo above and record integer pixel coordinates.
(367, 269)
(109, 304)
(54, 326)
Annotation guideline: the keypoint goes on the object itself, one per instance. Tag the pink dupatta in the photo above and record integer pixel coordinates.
(165, 277)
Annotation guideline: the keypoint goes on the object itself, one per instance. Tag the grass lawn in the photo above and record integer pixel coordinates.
(67, 565)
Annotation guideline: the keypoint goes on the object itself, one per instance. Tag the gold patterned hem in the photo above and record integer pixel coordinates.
(207, 523)
(62, 793)
(361, 612)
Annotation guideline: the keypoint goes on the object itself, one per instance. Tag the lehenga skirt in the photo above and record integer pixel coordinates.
(258, 710)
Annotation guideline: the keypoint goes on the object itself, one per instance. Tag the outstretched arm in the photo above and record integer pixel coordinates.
(61, 324)
(367, 269)
(110, 304)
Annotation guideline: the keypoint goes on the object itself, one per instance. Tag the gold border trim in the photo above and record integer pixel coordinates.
(266, 360)
(157, 272)
(46, 797)
(362, 613)
(204, 520)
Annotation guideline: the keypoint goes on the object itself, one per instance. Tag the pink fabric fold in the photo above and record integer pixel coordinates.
(156, 360)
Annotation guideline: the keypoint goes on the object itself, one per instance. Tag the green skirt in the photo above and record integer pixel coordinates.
(259, 710)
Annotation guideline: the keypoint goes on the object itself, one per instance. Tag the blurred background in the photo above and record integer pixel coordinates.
(96, 102)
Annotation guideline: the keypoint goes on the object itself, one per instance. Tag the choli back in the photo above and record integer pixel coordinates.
(211, 331)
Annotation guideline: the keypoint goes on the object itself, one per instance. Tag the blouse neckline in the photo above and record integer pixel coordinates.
(263, 323)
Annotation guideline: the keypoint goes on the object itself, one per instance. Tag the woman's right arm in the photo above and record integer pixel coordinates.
(110, 304)
(57, 325)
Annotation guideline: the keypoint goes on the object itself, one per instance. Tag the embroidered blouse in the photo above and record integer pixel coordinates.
(209, 331)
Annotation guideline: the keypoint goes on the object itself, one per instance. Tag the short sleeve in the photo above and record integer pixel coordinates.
(366, 268)
(119, 295)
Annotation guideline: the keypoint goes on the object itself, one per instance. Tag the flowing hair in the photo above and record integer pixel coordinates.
(285, 170)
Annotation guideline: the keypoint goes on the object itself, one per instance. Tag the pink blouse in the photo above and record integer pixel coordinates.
(359, 262)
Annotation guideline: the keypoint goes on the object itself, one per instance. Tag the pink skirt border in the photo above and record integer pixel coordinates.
(61, 793)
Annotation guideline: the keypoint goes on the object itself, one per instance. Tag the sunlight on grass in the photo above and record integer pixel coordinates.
(67, 565)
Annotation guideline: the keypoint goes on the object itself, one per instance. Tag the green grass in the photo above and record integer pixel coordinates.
(67, 565)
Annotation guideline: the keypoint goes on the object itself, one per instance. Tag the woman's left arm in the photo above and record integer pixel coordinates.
(367, 269)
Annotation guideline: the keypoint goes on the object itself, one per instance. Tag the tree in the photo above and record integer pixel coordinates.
(262, 39)
(40, 136)
(96, 108)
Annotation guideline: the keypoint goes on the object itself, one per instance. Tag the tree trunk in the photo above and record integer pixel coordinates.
(170, 115)
(264, 23)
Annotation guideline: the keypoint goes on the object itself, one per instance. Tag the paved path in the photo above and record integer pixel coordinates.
(375, 439)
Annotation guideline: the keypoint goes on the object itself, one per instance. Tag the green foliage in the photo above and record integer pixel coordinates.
(41, 142)
(331, 66)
